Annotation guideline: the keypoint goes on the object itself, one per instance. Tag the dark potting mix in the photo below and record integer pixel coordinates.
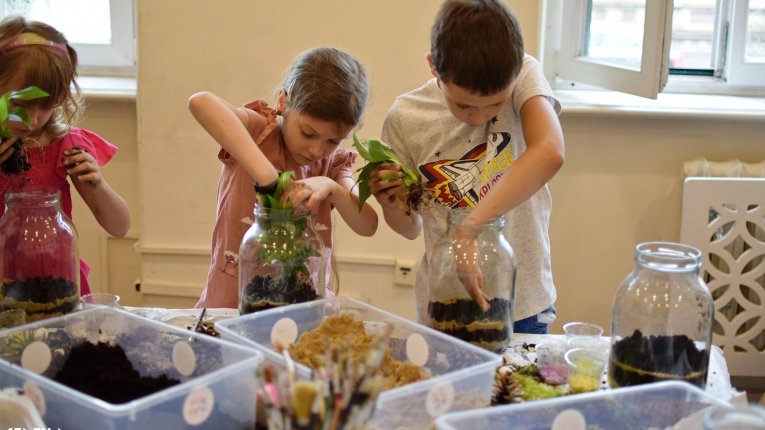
(40, 297)
(266, 292)
(464, 319)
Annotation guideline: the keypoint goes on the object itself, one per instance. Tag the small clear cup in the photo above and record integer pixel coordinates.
(12, 317)
(550, 361)
(740, 417)
(583, 335)
(100, 299)
(586, 368)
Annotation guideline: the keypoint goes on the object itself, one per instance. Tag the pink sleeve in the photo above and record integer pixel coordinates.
(94, 144)
(342, 164)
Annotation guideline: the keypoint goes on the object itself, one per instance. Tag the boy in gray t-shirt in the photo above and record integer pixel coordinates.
(490, 107)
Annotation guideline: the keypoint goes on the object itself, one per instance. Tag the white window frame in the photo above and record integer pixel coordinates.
(563, 44)
(117, 58)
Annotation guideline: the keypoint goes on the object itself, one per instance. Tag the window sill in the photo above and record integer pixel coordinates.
(693, 106)
(109, 88)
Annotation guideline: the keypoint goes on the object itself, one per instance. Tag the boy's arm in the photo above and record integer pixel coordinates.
(389, 195)
(226, 124)
(534, 168)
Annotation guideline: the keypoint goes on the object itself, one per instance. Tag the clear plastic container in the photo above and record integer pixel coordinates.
(462, 375)
(40, 269)
(281, 261)
(661, 325)
(217, 386)
(652, 406)
(450, 308)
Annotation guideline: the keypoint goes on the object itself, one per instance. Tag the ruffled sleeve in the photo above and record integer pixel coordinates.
(342, 164)
(94, 144)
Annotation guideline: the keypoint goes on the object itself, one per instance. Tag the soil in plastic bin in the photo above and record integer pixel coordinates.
(104, 371)
(265, 293)
(464, 319)
(639, 359)
(40, 297)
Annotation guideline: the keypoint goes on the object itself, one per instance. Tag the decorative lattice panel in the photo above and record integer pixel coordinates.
(725, 219)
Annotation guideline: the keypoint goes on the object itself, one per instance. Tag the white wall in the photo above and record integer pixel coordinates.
(620, 184)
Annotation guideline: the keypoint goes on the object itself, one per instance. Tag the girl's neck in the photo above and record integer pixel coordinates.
(40, 139)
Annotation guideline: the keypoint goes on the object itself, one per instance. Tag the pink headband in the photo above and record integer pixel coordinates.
(26, 39)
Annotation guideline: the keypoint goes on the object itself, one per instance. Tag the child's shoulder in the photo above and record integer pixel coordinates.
(101, 149)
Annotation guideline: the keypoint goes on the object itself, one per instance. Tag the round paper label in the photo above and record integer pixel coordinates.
(198, 405)
(570, 419)
(36, 357)
(417, 350)
(440, 399)
(184, 359)
(284, 332)
(35, 395)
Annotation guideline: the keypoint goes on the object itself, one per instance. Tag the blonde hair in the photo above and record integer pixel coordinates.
(48, 69)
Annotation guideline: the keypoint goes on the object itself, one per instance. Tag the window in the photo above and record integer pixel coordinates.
(638, 46)
(102, 31)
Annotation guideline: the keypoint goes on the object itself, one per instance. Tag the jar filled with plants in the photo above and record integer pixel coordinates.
(450, 308)
(281, 259)
(661, 325)
(40, 262)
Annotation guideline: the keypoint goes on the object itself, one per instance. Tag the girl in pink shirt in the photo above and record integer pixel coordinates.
(319, 103)
(53, 151)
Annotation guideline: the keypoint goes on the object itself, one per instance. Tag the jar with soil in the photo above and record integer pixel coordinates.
(40, 262)
(661, 325)
(451, 309)
(281, 261)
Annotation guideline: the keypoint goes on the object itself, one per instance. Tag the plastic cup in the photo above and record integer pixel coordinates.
(740, 417)
(12, 318)
(551, 363)
(586, 367)
(583, 335)
(100, 299)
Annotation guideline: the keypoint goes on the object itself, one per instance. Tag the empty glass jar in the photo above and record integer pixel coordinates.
(281, 261)
(661, 325)
(40, 262)
(450, 308)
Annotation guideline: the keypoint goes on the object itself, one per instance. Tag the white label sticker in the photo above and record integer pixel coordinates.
(36, 357)
(440, 399)
(417, 350)
(284, 332)
(184, 359)
(570, 419)
(198, 405)
(33, 392)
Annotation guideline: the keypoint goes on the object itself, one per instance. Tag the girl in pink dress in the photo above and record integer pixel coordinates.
(36, 54)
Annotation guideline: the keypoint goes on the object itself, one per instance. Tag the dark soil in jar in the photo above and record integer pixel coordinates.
(40, 297)
(464, 319)
(639, 359)
(17, 162)
(104, 371)
(266, 292)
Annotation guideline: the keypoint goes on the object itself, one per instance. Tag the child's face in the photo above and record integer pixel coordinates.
(309, 139)
(39, 113)
(472, 108)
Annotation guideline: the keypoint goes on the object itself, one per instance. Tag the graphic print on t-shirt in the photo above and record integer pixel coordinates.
(453, 182)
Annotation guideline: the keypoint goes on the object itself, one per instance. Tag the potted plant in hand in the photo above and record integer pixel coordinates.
(16, 163)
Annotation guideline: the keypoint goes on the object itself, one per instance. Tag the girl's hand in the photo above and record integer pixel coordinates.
(308, 193)
(385, 184)
(5, 150)
(466, 261)
(80, 165)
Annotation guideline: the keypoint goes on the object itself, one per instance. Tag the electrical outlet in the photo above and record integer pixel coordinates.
(403, 273)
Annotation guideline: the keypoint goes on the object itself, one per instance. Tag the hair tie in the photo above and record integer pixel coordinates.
(27, 39)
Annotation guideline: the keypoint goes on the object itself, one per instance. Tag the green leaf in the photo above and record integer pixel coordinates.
(361, 147)
(19, 114)
(28, 93)
(16, 113)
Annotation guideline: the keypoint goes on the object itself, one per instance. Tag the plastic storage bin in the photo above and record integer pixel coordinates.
(658, 405)
(218, 379)
(462, 375)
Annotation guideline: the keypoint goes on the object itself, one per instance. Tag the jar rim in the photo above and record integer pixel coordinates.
(36, 195)
(456, 215)
(668, 256)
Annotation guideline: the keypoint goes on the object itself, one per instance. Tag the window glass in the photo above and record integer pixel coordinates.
(755, 32)
(81, 21)
(693, 34)
(616, 32)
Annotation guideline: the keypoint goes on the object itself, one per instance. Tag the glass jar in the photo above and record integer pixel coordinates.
(661, 325)
(281, 261)
(40, 262)
(451, 310)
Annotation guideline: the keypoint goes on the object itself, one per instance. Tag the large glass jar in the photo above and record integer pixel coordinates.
(40, 263)
(281, 261)
(450, 308)
(661, 326)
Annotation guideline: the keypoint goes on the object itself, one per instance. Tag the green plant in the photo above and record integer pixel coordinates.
(11, 112)
(282, 231)
(376, 152)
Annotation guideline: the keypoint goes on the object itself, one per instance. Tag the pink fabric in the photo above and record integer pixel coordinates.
(236, 201)
(48, 170)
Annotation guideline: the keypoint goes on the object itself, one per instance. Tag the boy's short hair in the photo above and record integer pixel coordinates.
(477, 45)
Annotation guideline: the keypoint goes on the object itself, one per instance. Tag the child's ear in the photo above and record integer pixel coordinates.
(281, 101)
(430, 65)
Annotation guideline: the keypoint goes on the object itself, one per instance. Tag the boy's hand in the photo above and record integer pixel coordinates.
(80, 165)
(308, 193)
(466, 261)
(385, 184)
